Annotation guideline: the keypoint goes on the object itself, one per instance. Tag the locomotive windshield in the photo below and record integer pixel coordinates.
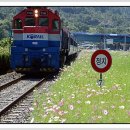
(55, 25)
(43, 21)
(29, 22)
(18, 24)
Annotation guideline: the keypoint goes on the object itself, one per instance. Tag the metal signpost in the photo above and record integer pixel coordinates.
(101, 62)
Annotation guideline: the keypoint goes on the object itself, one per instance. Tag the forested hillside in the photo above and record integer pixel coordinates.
(88, 19)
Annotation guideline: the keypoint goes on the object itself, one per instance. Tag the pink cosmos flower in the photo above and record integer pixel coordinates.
(128, 112)
(61, 113)
(71, 107)
(112, 106)
(61, 103)
(78, 101)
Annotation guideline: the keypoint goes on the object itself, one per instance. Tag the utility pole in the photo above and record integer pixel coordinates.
(104, 37)
(104, 42)
(125, 33)
(105, 23)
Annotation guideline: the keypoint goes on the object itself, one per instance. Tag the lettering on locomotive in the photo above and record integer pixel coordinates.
(34, 36)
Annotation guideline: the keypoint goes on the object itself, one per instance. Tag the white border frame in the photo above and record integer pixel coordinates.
(61, 3)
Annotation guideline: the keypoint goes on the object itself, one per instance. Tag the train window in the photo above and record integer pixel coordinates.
(43, 13)
(43, 21)
(29, 12)
(18, 24)
(29, 22)
(55, 25)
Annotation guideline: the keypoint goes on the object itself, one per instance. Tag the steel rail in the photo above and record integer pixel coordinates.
(21, 96)
(11, 82)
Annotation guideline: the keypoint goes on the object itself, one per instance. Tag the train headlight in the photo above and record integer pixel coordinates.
(36, 15)
(26, 49)
(36, 11)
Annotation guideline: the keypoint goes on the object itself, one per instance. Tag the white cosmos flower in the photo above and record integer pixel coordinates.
(93, 90)
(31, 109)
(102, 102)
(56, 118)
(121, 107)
(63, 120)
(88, 102)
(105, 112)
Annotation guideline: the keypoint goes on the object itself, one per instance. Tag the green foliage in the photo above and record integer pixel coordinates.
(87, 19)
(6, 16)
(4, 55)
(5, 42)
(96, 19)
(4, 59)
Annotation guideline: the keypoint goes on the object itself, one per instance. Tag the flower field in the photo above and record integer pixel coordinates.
(75, 96)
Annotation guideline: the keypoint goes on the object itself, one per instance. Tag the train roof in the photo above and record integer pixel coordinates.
(101, 34)
(37, 7)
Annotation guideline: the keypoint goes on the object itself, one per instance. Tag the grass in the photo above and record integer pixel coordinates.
(4, 55)
(75, 96)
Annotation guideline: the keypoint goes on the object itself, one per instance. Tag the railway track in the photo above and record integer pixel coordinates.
(16, 92)
(13, 81)
(8, 79)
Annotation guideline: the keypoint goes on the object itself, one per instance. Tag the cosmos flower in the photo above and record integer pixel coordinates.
(99, 117)
(78, 101)
(112, 106)
(93, 90)
(105, 112)
(56, 118)
(128, 112)
(71, 107)
(61, 103)
(35, 104)
(121, 107)
(31, 109)
(102, 102)
(63, 120)
(88, 102)
(73, 96)
(61, 113)
(89, 95)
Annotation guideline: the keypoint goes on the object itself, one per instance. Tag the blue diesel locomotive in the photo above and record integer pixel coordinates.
(39, 41)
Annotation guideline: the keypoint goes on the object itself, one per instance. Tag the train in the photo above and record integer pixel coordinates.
(40, 43)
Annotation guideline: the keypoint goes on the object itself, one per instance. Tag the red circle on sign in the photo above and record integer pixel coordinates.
(95, 67)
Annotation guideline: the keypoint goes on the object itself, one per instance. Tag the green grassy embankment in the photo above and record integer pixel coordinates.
(76, 98)
(4, 55)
